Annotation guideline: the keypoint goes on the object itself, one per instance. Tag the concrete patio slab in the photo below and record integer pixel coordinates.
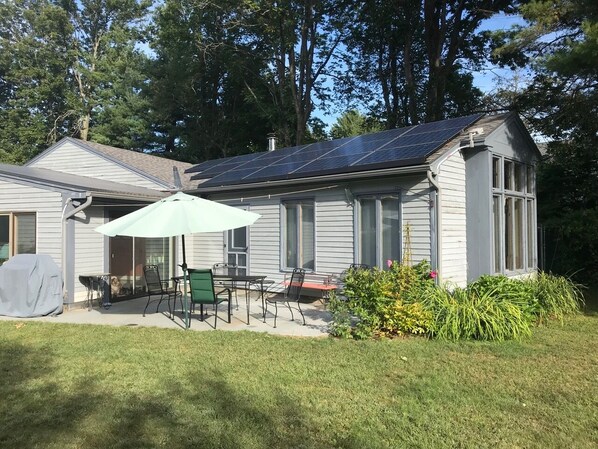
(129, 313)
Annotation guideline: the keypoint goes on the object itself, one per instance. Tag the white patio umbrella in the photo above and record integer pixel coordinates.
(179, 214)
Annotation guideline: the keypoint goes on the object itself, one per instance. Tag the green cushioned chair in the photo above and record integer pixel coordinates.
(201, 287)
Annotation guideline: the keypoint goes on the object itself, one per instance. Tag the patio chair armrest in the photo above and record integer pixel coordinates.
(274, 288)
(224, 290)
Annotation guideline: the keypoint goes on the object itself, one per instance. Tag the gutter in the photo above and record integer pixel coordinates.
(65, 217)
(432, 175)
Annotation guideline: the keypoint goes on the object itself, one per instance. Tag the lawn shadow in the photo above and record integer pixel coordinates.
(198, 408)
(33, 411)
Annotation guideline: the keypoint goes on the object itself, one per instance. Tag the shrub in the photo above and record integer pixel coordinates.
(405, 300)
(519, 292)
(379, 301)
(465, 314)
(399, 319)
(341, 317)
(556, 296)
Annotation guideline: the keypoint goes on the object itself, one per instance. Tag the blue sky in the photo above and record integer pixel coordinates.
(486, 79)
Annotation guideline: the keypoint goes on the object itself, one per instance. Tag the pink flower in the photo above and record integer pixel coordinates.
(433, 274)
(389, 263)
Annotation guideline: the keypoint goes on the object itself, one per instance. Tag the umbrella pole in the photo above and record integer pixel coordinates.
(185, 298)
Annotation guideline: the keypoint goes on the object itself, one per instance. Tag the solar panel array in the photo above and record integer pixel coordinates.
(386, 149)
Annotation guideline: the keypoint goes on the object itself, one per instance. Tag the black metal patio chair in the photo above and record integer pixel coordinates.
(156, 286)
(285, 292)
(222, 268)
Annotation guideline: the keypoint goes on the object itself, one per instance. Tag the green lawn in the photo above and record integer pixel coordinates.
(67, 386)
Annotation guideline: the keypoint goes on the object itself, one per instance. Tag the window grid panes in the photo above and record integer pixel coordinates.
(530, 180)
(367, 232)
(24, 225)
(299, 235)
(518, 243)
(530, 234)
(508, 170)
(508, 239)
(496, 220)
(519, 177)
(513, 216)
(496, 172)
(4, 238)
(379, 230)
(17, 234)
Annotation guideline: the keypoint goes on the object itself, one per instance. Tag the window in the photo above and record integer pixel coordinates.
(519, 177)
(379, 229)
(496, 172)
(513, 216)
(236, 253)
(299, 235)
(508, 171)
(496, 216)
(17, 234)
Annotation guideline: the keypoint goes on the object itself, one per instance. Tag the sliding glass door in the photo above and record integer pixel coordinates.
(128, 256)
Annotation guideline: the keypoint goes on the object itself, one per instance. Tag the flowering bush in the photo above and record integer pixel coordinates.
(382, 302)
(399, 319)
(406, 300)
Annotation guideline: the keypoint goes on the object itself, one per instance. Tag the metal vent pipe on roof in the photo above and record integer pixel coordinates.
(271, 142)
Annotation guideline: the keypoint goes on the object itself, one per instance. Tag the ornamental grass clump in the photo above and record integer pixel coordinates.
(556, 296)
(500, 308)
(464, 314)
(519, 292)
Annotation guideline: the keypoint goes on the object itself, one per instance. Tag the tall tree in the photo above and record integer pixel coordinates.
(206, 62)
(560, 43)
(301, 38)
(106, 66)
(413, 54)
(70, 68)
(353, 123)
(34, 72)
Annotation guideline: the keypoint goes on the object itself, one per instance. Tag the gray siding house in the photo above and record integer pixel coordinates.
(459, 193)
(53, 204)
(465, 202)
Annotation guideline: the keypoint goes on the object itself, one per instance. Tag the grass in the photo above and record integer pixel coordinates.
(69, 386)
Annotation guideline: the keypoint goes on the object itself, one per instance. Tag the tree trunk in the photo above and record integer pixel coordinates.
(410, 83)
(84, 128)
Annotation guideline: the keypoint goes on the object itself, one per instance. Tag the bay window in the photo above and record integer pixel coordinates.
(513, 216)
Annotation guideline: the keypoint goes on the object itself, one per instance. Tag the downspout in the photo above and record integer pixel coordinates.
(65, 217)
(438, 220)
(432, 175)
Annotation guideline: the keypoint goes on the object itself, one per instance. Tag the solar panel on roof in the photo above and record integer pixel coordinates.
(331, 163)
(392, 148)
(390, 154)
(203, 165)
(432, 136)
(274, 171)
(211, 164)
(232, 176)
(262, 162)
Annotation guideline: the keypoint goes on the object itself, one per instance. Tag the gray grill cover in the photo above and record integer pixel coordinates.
(30, 285)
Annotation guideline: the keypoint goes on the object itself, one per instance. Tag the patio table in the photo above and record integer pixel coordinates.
(236, 277)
